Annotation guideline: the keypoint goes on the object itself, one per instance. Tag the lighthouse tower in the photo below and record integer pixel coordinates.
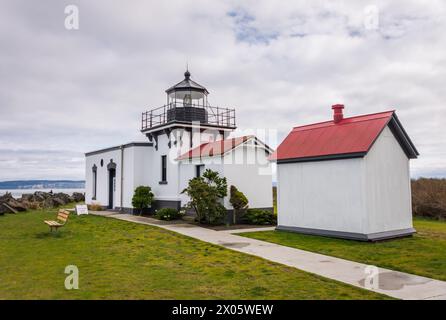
(187, 120)
(183, 138)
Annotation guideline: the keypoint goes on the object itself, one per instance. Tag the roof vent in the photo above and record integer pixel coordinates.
(337, 114)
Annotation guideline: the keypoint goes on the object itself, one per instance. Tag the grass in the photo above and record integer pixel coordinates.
(423, 254)
(123, 260)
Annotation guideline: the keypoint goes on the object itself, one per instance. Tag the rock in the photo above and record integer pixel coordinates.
(48, 203)
(8, 208)
(78, 197)
(15, 204)
(39, 200)
(39, 196)
(58, 202)
(64, 197)
(27, 197)
(6, 197)
(3, 209)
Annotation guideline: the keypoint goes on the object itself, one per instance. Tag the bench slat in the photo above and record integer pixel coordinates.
(62, 216)
(53, 223)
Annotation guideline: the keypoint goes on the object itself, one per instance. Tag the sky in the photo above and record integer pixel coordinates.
(66, 91)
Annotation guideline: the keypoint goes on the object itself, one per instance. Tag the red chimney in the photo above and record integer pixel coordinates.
(337, 114)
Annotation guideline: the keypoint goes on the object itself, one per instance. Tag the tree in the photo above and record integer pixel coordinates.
(142, 198)
(206, 194)
(238, 201)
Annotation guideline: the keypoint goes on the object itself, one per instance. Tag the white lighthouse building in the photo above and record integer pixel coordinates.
(182, 139)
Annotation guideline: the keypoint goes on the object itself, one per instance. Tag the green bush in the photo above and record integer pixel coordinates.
(258, 216)
(206, 195)
(238, 201)
(142, 198)
(168, 214)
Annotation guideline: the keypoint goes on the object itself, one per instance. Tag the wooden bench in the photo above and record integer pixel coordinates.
(61, 220)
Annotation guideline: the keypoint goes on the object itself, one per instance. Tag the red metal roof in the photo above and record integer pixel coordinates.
(216, 148)
(351, 136)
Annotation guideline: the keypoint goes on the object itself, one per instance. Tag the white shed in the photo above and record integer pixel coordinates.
(346, 178)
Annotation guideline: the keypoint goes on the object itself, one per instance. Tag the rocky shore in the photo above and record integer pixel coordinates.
(37, 200)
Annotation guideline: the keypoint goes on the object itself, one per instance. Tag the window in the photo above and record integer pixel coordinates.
(95, 181)
(163, 169)
(199, 169)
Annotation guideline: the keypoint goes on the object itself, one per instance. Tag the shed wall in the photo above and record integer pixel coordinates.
(324, 195)
(387, 188)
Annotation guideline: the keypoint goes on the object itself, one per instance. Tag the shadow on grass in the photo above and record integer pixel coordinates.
(49, 235)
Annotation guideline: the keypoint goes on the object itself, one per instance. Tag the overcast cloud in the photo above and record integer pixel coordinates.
(65, 92)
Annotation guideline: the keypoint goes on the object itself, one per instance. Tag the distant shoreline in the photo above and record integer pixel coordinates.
(17, 193)
(41, 184)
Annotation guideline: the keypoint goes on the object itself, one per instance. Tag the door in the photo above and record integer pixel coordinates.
(111, 187)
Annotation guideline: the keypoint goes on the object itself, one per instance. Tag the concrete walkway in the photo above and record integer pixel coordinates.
(392, 283)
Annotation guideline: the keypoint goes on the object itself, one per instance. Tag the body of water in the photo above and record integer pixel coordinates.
(17, 193)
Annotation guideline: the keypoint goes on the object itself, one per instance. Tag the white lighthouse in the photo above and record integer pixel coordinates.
(183, 138)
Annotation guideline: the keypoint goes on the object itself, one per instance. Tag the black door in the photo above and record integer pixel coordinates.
(111, 180)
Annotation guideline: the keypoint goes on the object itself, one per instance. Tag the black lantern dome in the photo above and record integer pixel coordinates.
(187, 100)
(188, 90)
(187, 103)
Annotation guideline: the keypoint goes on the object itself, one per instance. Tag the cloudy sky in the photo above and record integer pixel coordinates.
(65, 92)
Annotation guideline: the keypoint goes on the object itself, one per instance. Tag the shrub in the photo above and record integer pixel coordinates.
(258, 216)
(34, 205)
(238, 201)
(142, 198)
(95, 206)
(168, 214)
(206, 194)
(429, 198)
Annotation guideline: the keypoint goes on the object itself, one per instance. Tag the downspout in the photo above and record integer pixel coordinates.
(122, 177)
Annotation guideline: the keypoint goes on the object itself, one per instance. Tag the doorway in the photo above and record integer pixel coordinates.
(111, 187)
(111, 167)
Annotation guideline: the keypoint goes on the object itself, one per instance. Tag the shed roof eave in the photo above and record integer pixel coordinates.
(402, 137)
(326, 157)
(127, 145)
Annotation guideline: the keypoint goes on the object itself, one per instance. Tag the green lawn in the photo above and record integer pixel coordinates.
(123, 260)
(423, 254)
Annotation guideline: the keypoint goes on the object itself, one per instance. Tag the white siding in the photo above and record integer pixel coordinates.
(129, 179)
(246, 167)
(387, 187)
(323, 195)
(135, 162)
(167, 191)
(102, 177)
(250, 171)
(176, 180)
